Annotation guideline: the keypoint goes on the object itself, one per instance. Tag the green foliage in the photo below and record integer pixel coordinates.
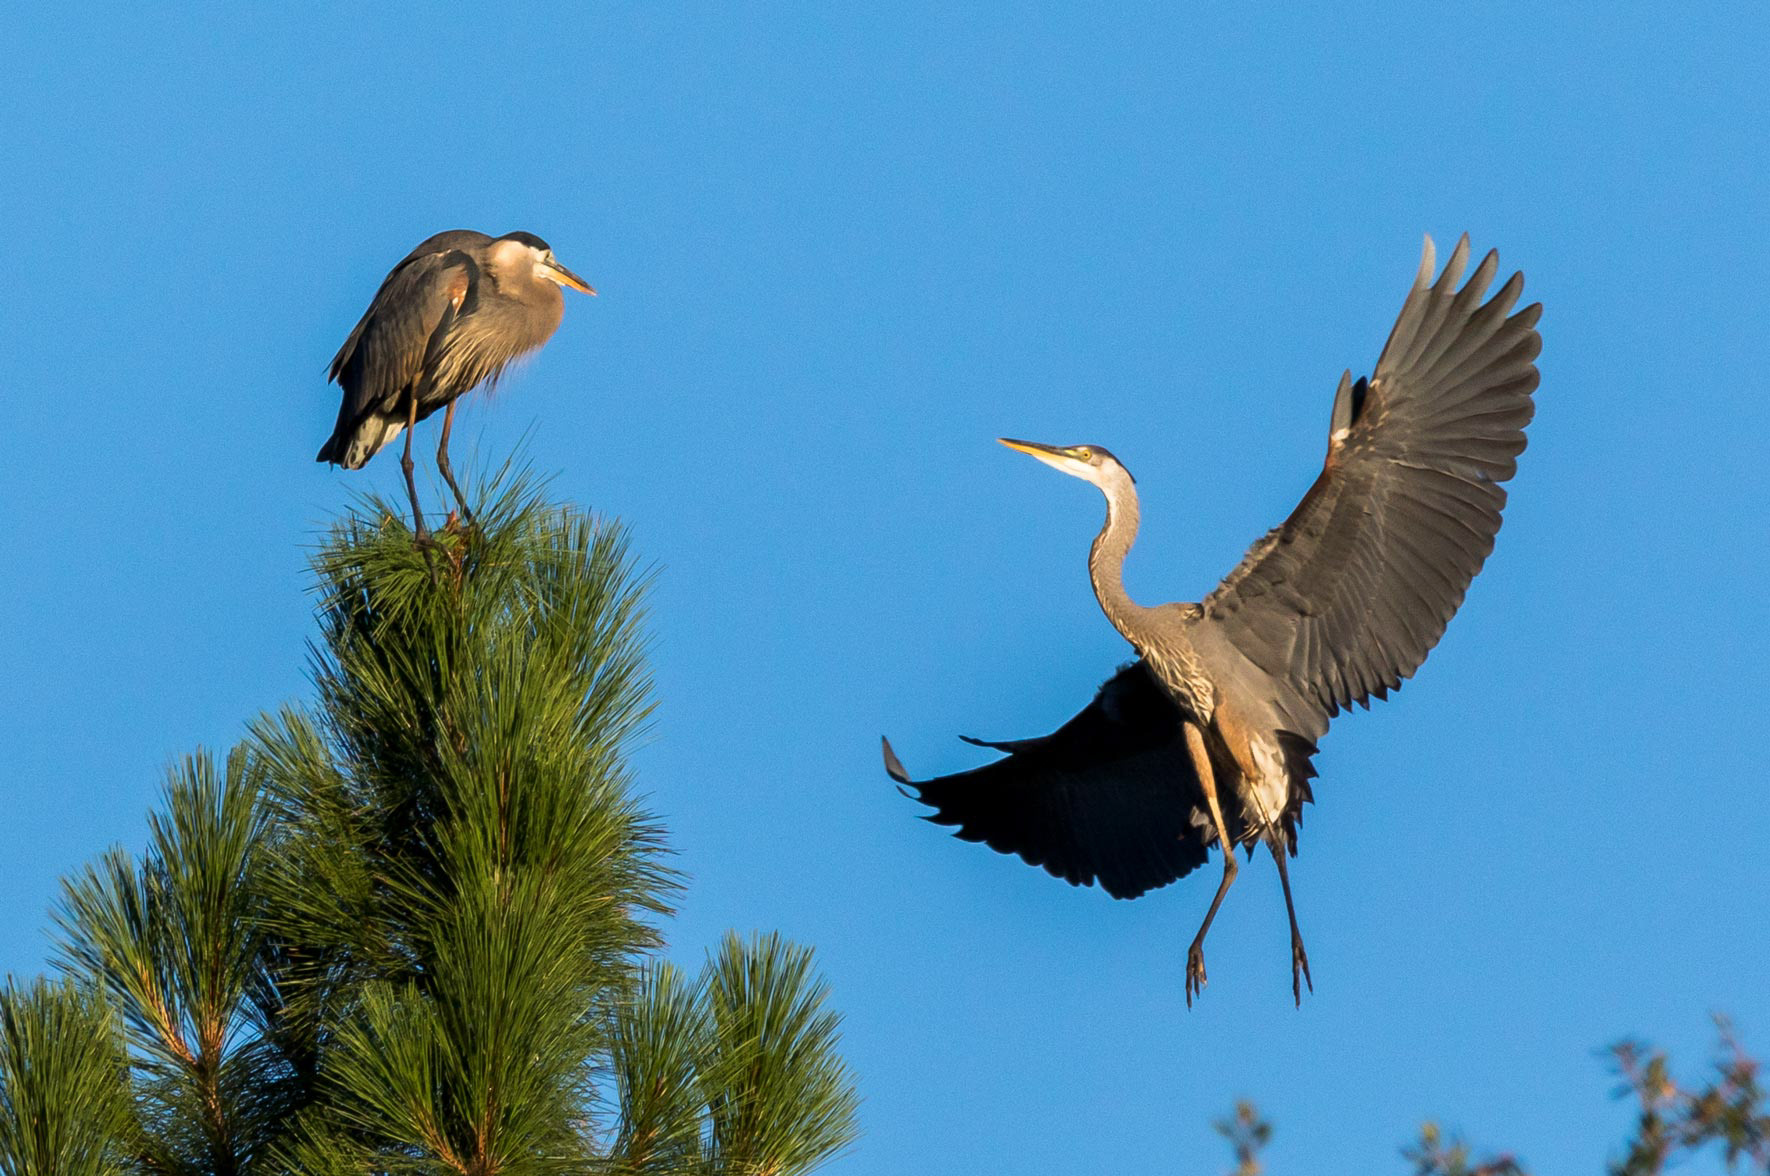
(1248, 1133)
(1675, 1121)
(779, 1097)
(1435, 1155)
(463, 790)
(174, 943)
(64, 1083)
(736, 1075)
(412, 929)
(1729, 1113)
(658, 1041)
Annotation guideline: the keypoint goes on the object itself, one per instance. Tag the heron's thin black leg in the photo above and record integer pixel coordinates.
(1299, 958)
(1195, 955)
(442, 463)
(405, 463)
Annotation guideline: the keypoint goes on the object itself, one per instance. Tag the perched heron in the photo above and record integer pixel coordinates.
(1208, 737)
(449, 317)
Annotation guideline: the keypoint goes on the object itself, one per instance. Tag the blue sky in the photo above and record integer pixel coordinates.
(839, 251)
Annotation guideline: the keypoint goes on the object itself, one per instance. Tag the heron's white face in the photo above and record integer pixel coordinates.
(513, 257)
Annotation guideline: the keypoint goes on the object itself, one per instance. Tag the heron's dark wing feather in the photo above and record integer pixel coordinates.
(387, 350)
(1108, 797)
(1347, 597)
(468, 241)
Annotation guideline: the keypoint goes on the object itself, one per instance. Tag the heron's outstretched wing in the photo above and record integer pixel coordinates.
(1347, 597)
(1108, 797)
(388, 348)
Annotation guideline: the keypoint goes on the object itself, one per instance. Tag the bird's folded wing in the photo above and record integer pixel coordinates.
(1108, 797)
(388, 348)
(1347, 597)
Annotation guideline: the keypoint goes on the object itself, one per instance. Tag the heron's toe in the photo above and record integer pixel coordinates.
(1195, 972)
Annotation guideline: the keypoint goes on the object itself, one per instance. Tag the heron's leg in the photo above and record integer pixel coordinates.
(1299, 958)
(442, 463)
(405, 463)
(1195, 955)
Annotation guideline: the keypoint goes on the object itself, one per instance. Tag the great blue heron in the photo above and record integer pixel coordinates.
(449, 317)
(1208, 737)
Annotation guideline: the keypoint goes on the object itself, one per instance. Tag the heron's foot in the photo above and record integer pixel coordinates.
(1299, 970)
(1195, 970)
(428, 546)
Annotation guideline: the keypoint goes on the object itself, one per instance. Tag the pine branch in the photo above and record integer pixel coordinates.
(64, 1083)
(175, 944)
(659, 1039)
(780, 1099)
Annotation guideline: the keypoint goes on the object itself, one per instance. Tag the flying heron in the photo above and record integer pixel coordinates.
(1207, 738)
(449, 317)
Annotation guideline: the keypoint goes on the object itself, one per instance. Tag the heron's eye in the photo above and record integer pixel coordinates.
(1084, 453)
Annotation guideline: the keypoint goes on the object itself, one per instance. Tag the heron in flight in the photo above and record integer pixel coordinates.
(450, 317)
(1207, 738)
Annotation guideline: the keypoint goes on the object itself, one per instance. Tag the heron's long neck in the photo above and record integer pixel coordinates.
(1106, 564)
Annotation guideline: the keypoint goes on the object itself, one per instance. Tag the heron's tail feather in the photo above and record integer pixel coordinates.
(353, 445)
(1299, 757)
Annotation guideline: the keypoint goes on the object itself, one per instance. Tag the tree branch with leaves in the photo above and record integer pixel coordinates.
(414, 928)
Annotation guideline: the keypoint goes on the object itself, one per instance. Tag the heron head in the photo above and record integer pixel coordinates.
(1090, 463)
(513, 251)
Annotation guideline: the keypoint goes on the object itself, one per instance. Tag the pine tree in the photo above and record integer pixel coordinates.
(414, 927)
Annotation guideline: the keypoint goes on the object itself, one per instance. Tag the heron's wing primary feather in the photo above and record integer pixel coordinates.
(387, 350)
(1347, 597)
(1108, 797)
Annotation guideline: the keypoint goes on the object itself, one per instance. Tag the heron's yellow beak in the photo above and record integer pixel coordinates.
(1075, 460)
(566, 277)
(1042, 452)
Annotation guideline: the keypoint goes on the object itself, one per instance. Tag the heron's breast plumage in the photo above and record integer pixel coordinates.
(1243, 707)
(1177, 667)
(499, 331)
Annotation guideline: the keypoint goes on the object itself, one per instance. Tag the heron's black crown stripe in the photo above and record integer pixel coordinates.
(528, 239)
